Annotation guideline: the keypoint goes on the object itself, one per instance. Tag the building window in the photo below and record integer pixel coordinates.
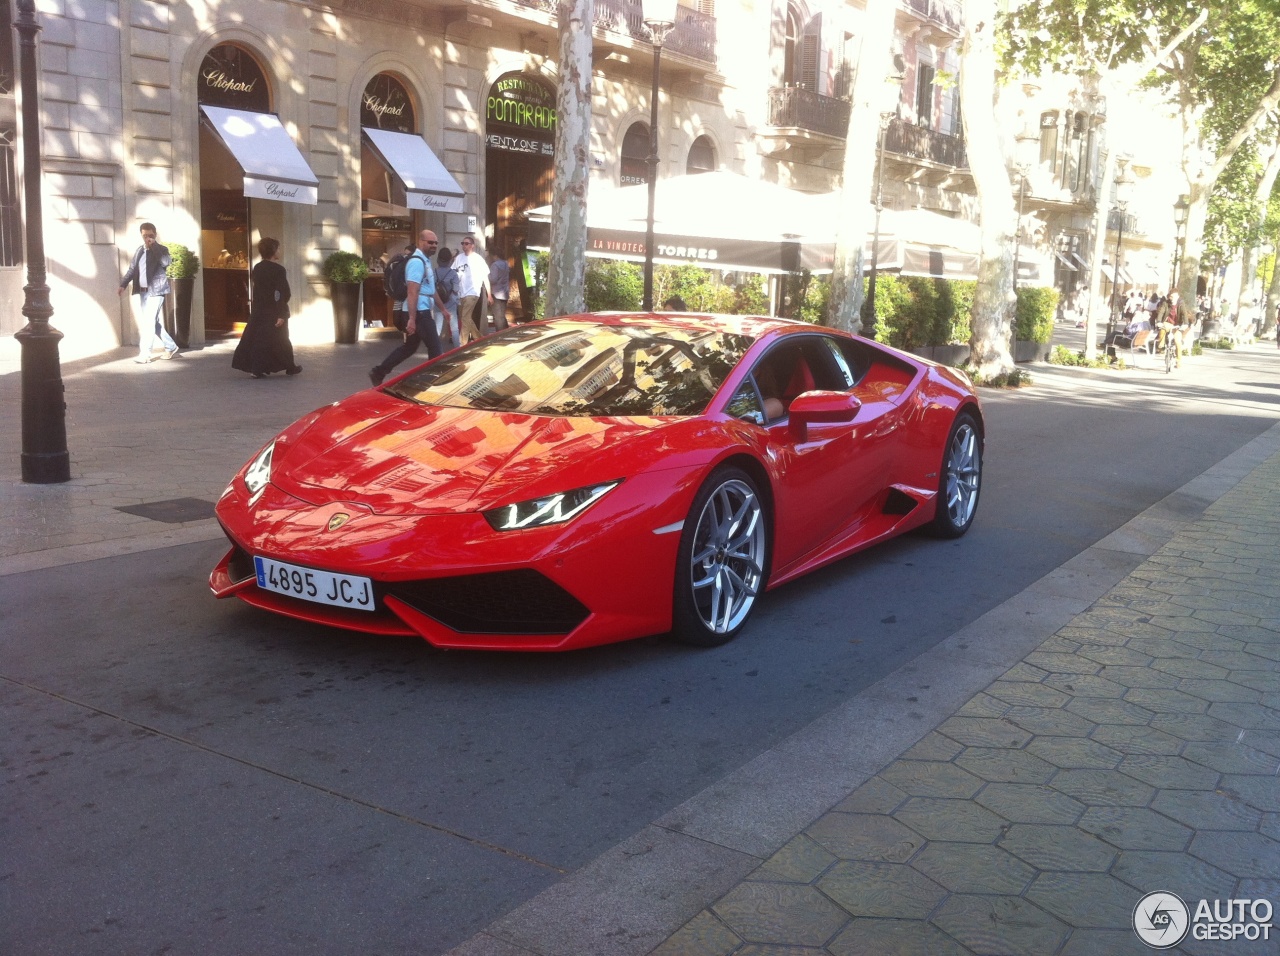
(7, 61)
(924, 94)
(1049, 139)
(635, 155)
(800, 50)
(10, 202)
(702, 156)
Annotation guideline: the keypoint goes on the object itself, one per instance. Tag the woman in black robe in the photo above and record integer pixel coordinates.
(265, 347)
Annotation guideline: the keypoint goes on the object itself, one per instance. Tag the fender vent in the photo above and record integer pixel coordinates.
(899, 503)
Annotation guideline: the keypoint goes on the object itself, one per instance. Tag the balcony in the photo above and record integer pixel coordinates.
(794, 107)
(694, 34)
(946, 13)
(1132, 225)
(921, 143)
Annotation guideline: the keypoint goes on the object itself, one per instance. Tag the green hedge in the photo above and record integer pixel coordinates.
(1035, 312)
(183, 263)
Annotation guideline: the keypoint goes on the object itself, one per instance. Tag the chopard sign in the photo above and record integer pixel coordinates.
(381, 108)
(219, 80)
(280, 191)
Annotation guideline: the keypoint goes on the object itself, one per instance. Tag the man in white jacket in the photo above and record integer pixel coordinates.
(148, 271)
(473, 286)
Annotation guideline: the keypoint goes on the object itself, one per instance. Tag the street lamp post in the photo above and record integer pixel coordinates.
(1017, 259)
(659, 17)
(44, 412)
(1122, 207)
(1180, 211)
(869, 322)
(892, 94)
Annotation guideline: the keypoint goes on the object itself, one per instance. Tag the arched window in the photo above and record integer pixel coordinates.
(702, 156)
(800, 49)
(635, 155)
(231, 76)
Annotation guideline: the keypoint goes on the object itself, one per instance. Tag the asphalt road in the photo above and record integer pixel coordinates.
(191, 776)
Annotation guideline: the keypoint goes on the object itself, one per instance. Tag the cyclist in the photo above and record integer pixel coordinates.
(1174, 318)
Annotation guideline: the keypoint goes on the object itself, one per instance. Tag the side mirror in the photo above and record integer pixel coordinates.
(811, 408)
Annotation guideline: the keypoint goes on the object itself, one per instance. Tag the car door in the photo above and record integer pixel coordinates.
(826, 480)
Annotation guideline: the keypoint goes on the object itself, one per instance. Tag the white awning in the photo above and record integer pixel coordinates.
(273, 167)
(427, 184)
(1065, 261)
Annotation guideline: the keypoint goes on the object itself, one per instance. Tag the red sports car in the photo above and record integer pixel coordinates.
(596, 478)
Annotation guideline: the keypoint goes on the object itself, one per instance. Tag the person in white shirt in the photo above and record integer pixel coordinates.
(148, 273)
(473, 287)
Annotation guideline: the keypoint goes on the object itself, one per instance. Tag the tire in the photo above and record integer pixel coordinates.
(1169, 346)
(959, 478)
(723, 560)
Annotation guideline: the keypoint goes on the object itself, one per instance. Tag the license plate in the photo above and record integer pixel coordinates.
(323, 587)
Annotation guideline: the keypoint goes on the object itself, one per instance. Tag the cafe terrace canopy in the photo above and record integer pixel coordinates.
(273, 167)
(725, 221)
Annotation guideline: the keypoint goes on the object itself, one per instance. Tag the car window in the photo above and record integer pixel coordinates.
(582, 368)
(746, 404)
(796, 365)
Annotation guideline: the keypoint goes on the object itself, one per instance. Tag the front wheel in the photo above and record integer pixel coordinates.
(722, 561)
(960, 480)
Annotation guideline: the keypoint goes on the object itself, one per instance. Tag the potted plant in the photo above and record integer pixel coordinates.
(183, 266)
(346, 273)
(1034, 317)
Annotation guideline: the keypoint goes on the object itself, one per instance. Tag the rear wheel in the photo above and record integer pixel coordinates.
(960, 480)
(720, 567)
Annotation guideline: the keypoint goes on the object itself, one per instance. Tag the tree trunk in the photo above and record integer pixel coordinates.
(854, 218)
(566, 274)
(1097, 310)
(1249, 255)
(992, 301)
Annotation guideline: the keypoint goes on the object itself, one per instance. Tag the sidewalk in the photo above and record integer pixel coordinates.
(1136, 750)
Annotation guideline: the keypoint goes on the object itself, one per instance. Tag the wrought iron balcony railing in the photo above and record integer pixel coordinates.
(945, 12)
(920, 142)
(694, 34)
(799, 108)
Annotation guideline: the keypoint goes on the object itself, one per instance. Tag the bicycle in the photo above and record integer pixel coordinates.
(1171, 346)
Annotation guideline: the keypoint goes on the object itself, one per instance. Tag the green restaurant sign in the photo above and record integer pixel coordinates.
(520, 115)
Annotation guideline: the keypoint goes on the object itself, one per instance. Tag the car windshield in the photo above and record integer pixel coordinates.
(582, 368)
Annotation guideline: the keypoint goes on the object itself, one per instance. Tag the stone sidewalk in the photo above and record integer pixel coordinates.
(1136, 750)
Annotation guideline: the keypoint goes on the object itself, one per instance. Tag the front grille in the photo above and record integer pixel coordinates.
(500, 602)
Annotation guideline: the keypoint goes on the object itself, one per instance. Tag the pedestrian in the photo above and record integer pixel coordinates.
(499, 289)
(675, 304)
(394, 285)
(148, 271)
(265, 346)
(447, 291)
(473, 289)
(420, 329)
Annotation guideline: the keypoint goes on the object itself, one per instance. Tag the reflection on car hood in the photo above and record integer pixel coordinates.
(400, 458)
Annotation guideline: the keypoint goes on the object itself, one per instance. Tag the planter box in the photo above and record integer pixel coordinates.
(1031, 351)
(953, 355)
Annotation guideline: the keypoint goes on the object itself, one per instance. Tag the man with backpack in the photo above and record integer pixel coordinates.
(419, 293)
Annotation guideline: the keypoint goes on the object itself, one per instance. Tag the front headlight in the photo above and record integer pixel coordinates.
(258, 473)
(551, 509)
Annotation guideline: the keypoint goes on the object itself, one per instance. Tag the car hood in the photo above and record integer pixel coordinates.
(397, 457)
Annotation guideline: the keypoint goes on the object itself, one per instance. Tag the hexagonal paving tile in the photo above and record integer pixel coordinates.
(1261, 793)
(1266, 681)
(974, 867)
(1181, 667)
(1219, 690)
(982, 705)
(877, 795)
(1029, 803)
(1198, 727)
(1074, 753)
(882, 889)
(1050, 721)
(1207, 810)
(1161, 770)
(1164, 700)
(1115, 655)
(800, 860)
(1131, 739)
(1092, 942)
(1248, 716)
(1271, 825)
(926, 778)
(962, 821)
(1005, 765)
(1134, 676)
(1025, 694)
(1092, 900)
(984, 732)
(1103, 710)
(1000, 925)
(1135, 828)
(933, 746)
(1237, 759)
(1085, 685)
(1102, 788)
(780, 913)
(1192, 879)
(704, 935)
(1247, 855)
(864, 836)
(1057, 848)
(1022, 671)
(876, 937)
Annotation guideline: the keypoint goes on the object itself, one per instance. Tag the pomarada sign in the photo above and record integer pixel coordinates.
(520, 115)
